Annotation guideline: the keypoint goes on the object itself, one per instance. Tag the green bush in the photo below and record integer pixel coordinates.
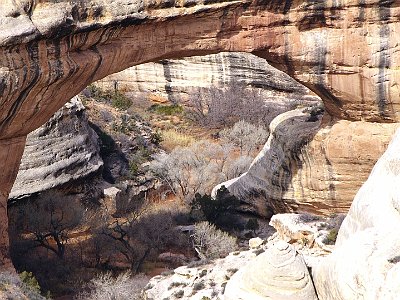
(30, 281)
(167, 110)
(120, 101)
(330, 239)
(117, 99)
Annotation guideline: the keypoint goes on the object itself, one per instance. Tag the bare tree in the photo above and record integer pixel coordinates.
(48, 223)
(198, 168)
(210, 242)
(246, 136)
(137, 235)
(216, 107)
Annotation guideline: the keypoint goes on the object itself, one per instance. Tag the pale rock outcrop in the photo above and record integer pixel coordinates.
(256, 242)
(269, 179)
(303, 229)
(175, 79)
(279, 273)
(366, 261)
(198, 279)
(111, 196)
(61, 151)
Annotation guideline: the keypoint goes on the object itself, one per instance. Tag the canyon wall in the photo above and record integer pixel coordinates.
(178, 79)
(61, 151)
(346, 52)
(314, 167)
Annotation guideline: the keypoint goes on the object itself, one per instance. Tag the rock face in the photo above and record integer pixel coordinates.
(346, 52)
(366, 261)
(199, 279)
(62, 150)
(283, 275)
(174, 79)
(269, 179)
(304, 167)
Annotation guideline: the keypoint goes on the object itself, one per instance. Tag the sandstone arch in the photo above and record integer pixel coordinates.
(346, 51)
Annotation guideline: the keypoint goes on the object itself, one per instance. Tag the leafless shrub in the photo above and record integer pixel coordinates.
(210, 242)
(48, 223)
(122, 287)
(223, 107)
(198, 168)
(136, 236)
(246, 136)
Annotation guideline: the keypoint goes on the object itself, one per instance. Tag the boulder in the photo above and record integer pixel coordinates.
(255, 242)
(279, 273)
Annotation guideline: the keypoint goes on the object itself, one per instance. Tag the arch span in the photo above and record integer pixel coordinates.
(345, 51)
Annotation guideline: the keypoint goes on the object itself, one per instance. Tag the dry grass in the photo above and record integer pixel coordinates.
(172, 138)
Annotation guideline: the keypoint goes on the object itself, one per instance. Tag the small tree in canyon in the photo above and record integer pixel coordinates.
(246, 136)
(198, 168)
(48, 223)
(136, 236)
(216, 107)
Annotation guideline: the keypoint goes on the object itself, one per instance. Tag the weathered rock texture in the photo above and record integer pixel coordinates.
(366, 261)
(62, 150)
(347, 52)
(175, 79)
(304, 167)
(283, 275)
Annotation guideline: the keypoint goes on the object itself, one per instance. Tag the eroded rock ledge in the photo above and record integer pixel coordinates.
(63, 150)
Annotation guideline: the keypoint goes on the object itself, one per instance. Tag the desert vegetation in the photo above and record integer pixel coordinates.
(164, 160)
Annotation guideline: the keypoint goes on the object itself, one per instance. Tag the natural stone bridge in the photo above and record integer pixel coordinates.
(346, 51)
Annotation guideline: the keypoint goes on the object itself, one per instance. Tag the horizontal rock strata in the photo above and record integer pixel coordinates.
(62, 150)
(313, 167)
(175, 79)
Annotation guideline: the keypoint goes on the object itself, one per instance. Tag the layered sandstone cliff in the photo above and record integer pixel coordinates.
(365, 263)
(62, 150)
(309, 165)
(177, 79)
(345, 52)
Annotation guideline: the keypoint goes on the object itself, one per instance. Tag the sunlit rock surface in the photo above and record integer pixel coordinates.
(346, 52)
(366, 261)
(278, 273)
(311, 166)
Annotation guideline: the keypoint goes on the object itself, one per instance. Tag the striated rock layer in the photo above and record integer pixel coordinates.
(365, 263)
(175, 79)
(309, 166)
(347, 52)
(283, 276)
(62, 150)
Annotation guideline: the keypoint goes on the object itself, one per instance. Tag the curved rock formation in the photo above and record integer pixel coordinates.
(365, 263)
(346, 52)
(304, 167)
(175, 79)
(278, 273)
(62, 150)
